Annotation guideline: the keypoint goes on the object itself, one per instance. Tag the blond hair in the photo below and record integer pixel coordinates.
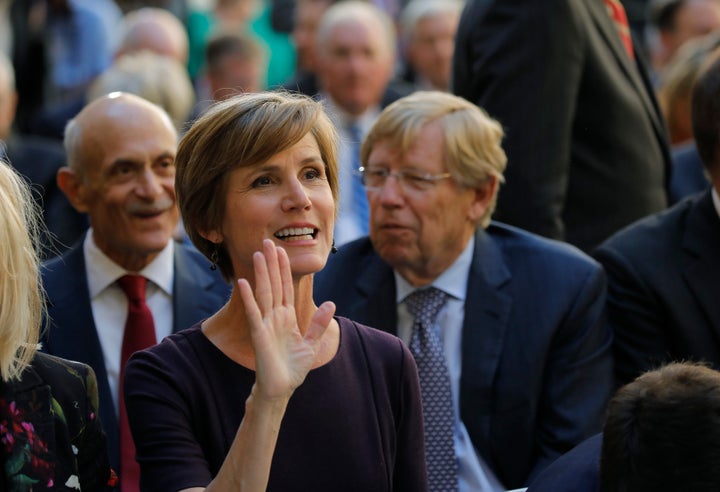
(21, 298)
(472, 143)
(156, 78)
(242, 131)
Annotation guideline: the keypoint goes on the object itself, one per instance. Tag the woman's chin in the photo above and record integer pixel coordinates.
(307, 264)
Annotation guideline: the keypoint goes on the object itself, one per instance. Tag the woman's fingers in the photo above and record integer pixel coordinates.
(263, 288)
(273, 268)
(320, 321)
(286, 280)
(252, 312)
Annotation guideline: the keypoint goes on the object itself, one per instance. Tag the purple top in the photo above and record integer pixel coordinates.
(355, 424)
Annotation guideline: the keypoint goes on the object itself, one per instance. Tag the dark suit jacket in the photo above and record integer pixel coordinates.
(586, 143)
(664, 288)
(197, 293)
(38, 160)
(688, 173)
(536, 361)
(48, 412)
(576, 471)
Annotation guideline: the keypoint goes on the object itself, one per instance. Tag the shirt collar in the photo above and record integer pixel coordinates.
(452, 281)
(103, 272)
(342, 119)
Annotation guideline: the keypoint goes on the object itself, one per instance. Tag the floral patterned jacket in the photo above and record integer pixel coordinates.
(50, 435)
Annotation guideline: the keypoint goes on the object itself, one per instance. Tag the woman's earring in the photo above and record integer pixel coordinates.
(333, 249)
(214, 259)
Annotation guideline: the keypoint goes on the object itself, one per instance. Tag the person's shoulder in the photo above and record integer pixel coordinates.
(60, 263)
(64, 270)
(349, 255)
(575, 471)
(518, 244)
(196, 271)
(190, 252)
(176, 347)
(57, 367)
(70, 382)
(653, 234)
(379, 345)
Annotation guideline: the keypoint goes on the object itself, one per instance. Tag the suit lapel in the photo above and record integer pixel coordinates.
(375, 305)
(631, 68)
(487, 309)
(701, 261)
(193, 296)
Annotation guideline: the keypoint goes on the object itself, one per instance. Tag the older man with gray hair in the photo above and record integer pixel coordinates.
(355, 61)
(507, 328)
(428, 30)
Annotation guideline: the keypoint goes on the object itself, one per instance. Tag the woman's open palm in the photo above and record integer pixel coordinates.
(283, 356)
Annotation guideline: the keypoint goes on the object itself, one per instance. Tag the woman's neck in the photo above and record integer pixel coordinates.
(229, 330)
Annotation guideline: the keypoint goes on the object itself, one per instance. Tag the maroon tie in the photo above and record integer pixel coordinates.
(617, 12)
(139, 334)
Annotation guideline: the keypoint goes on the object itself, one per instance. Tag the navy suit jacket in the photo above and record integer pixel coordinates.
(198, 292)
(663, 284)
(575, 471)
(688, 173)
(38, 160)
(536, 360)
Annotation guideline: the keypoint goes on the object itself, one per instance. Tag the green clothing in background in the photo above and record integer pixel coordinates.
(279, 50)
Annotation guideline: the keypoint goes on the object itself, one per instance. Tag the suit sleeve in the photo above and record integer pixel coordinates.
(635, 317)
(578, 376)
(525, 69)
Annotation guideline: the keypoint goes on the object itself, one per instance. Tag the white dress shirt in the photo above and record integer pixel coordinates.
(473, 474)
(110, 305)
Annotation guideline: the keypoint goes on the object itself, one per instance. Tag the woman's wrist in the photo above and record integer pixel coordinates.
(266, 405)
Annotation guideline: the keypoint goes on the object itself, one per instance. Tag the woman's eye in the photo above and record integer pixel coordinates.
(312, 174)
(262, 181)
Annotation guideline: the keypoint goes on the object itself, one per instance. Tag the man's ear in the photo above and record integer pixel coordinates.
(484, 197)
(71, 184)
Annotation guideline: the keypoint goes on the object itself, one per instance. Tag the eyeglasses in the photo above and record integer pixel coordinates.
(408, 179)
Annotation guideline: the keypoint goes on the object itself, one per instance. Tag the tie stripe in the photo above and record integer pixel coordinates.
(618, 15)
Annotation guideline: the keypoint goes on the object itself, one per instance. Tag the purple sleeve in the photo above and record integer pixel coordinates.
(410, 470)
(158, 397)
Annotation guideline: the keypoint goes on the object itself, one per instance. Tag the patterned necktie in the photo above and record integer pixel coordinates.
(437, 402)
(139, 334)
(359, 199)
(618, 15)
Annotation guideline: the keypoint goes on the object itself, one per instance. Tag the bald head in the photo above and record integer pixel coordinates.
(355, 55)
(121, 150)
(156, 30)
(109, 118)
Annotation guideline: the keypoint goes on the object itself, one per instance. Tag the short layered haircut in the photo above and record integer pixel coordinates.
(242, 131)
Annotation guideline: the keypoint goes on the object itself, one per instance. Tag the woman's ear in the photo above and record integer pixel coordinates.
(213, 236)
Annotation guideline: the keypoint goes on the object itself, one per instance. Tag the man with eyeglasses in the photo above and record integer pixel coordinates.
(512, 331)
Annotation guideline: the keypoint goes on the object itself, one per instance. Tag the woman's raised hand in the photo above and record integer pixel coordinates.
(283, 355)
